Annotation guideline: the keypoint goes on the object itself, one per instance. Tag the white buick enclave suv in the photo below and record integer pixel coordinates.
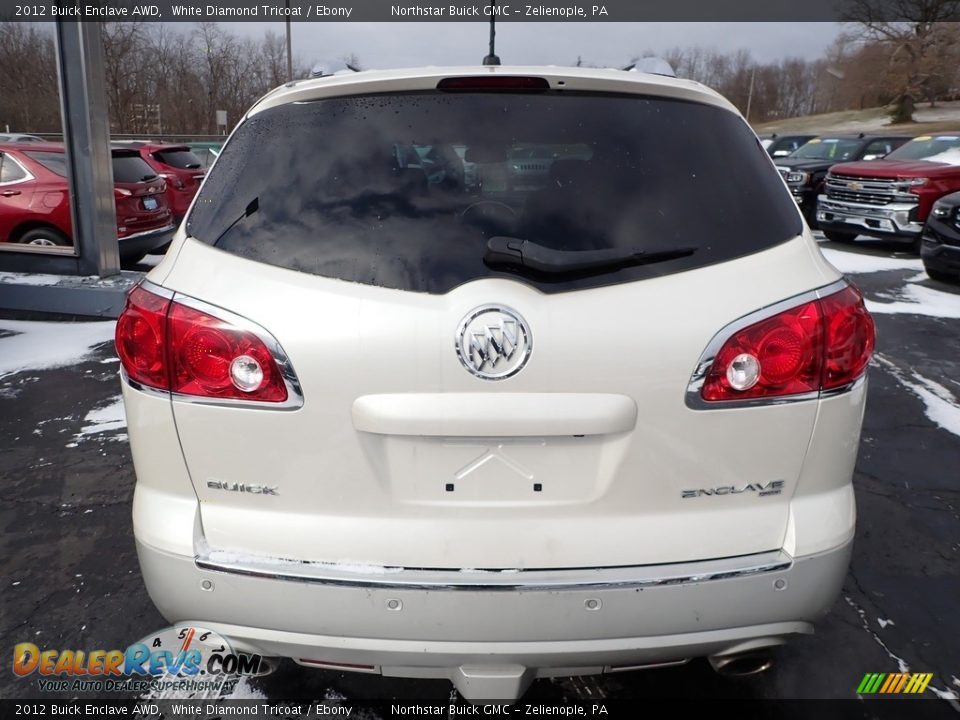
(448, 418)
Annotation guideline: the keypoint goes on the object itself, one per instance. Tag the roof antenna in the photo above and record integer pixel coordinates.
(491, 58)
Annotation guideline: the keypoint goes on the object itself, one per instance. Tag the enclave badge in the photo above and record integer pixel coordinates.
(494, 342)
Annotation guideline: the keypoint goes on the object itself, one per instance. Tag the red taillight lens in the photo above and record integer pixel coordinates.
(202, 354)
(818, 345)
(787, 348)
(141, 338)
(169, 346)
(850, 337)
(173, 180)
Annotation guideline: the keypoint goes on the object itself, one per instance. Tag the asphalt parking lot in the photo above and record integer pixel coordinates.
(71, 578)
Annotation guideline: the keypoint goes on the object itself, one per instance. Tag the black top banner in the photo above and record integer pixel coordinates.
(502, 10)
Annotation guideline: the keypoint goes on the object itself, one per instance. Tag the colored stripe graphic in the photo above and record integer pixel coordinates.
(894, 683)
(918, 683)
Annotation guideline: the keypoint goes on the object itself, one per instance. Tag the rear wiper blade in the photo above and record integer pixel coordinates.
(249, 210)
(517, 252)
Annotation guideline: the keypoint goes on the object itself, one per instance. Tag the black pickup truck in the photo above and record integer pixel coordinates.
(805, 169)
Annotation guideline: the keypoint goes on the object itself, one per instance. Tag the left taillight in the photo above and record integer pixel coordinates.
(168, 345)
(174, 180)
(141, 338)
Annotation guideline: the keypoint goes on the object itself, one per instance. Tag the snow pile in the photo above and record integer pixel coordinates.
(105, 419)
(35, 279)
(239, 558)
(45, 345)
(852, 262)
(919, 300)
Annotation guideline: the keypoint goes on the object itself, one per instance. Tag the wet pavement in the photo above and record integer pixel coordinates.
(70, 575)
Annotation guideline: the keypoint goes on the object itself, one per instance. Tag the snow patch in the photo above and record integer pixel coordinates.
(940, 406)
(104, 419)
(948, 695)
(46, 345)
(35, 279)
(244, 690)
(851, 262)
(919, 300)
(240, 558)
(901, 663)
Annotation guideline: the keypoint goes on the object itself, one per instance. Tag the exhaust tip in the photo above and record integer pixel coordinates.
(742, 665)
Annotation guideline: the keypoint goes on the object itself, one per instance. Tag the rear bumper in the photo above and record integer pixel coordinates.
(419, 624)
(884, 221)
(139, 244)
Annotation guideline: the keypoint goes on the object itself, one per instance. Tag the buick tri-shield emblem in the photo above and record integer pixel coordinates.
(494, 342)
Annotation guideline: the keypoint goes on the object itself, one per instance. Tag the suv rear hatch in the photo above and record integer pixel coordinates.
(139, 192)
(180, 162)
(365, 271)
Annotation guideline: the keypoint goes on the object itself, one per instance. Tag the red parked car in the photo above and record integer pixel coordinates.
(890, 198)
(35, 199)
(178, 165)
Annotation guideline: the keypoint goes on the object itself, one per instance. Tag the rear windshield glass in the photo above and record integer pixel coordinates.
(131, 169)
(926, 148)
(182, 159)
(404, 191)
(52, 161)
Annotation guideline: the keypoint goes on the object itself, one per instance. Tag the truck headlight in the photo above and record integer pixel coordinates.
(798, 178)
(941, 210)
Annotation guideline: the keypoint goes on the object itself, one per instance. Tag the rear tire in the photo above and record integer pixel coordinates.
(44, 237)
(840, 237)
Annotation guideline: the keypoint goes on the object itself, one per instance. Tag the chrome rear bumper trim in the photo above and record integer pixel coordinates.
(618, 578)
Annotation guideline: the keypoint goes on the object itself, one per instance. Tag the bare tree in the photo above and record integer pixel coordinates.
(917, 33)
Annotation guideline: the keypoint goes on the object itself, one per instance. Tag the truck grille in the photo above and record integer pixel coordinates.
(869, 191)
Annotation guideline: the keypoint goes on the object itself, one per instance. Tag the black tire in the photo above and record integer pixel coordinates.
(44, 236)
(131, 262)
(840, 237)
(942, 276)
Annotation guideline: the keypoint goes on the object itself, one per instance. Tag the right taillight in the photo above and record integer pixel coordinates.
(820, 344)
(849, 337)
(170, 346)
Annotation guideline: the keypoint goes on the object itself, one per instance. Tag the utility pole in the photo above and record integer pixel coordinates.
(753, 75)
(289, 44)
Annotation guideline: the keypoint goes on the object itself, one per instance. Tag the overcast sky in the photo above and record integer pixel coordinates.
(409, 44)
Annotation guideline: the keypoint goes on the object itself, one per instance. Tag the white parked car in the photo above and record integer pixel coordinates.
(494, 433)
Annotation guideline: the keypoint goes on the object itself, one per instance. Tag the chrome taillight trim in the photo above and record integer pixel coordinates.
(294, 399)
(694, 400)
